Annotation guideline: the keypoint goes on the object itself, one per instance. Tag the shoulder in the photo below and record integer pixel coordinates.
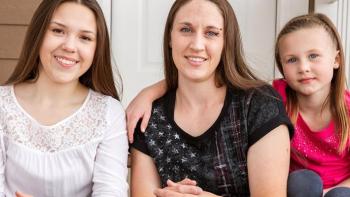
(262, 95)
(5, 93)
(164, 103)
(112, 108)
(264, 99)
(5, 90)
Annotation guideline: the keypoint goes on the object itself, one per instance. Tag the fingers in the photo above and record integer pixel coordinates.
(19, 194)
(145, 120)
(188, 181)
(185, 181)
(186, 186)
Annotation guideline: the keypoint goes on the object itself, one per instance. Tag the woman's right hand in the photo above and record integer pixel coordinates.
(186, 186)
(141, 106)
(20, 194)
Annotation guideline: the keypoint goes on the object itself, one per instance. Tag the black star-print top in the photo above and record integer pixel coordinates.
(217, 159)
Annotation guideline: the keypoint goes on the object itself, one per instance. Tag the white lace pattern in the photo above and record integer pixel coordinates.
(85, 125)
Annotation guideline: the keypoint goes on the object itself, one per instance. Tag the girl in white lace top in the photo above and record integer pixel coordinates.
(62, 128)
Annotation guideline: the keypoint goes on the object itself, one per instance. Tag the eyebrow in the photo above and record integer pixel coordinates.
(208, 27)
(62, 25)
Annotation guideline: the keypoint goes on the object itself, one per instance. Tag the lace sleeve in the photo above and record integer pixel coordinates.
(2, 145)
(2, 164)
(110, 171)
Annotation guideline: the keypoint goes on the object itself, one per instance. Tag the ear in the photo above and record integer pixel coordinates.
(336, 60)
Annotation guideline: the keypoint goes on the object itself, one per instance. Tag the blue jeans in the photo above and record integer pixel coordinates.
(306, 183)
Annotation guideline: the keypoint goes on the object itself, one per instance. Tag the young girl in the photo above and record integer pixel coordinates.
(310, 57)
(217, 131)
(62, 128)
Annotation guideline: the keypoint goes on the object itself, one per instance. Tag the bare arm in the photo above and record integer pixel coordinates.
(141, 106)
(268, 164)
(144, 175)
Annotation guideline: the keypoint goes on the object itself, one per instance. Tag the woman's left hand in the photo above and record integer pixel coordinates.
(169, 192)
(184, 188)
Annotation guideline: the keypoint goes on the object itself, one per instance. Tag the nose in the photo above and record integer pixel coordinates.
(304, 66)
(69, 44)
(197, 42)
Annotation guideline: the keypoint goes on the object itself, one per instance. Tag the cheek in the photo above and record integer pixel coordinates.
(288, 72)
(88, 52)
(217, 50)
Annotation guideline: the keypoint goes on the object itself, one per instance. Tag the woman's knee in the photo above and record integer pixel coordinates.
(304, 183)
(338, 192)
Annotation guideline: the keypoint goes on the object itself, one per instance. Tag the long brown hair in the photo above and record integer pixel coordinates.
(232, 69)
(98, 77)
(336, 97)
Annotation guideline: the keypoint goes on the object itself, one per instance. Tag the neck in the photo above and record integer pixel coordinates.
(314, 104)
(46, 92)
(194, 95)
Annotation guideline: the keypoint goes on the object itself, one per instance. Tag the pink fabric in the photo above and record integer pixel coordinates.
(317, 151)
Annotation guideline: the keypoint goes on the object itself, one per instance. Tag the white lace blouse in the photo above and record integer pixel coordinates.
(83, 155)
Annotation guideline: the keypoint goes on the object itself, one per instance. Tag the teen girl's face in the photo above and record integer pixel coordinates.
(197, 40)
(309, 57)
(69, 44)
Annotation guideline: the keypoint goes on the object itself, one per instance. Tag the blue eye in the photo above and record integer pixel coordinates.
(211, 33)
(291, 60)
(185, 29)
(313, 56)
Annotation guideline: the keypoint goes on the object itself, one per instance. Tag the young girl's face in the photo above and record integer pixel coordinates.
(69, 44)
(308, 58)
(197, 40)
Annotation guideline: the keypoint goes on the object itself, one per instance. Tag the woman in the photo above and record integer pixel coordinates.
(62, 128)
(216, 122)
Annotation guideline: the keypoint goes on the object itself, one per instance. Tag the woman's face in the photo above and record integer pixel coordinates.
(69, 43)
(197, 40)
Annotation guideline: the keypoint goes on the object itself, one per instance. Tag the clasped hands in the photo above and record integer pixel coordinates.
(184, 188)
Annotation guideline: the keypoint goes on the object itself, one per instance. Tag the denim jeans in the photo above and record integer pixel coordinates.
(306, 183)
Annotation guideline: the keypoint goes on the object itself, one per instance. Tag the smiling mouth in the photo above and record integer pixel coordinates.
(196, 59)
(65, 61)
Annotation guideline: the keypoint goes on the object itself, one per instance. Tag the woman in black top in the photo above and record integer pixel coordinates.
(216, 122)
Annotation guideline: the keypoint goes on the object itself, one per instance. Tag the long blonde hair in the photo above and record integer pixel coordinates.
(336, 97)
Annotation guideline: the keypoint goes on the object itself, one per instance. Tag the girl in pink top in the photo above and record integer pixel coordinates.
(310, 57)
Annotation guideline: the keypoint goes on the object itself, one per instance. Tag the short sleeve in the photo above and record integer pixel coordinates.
(139, 140)
(265, 113)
